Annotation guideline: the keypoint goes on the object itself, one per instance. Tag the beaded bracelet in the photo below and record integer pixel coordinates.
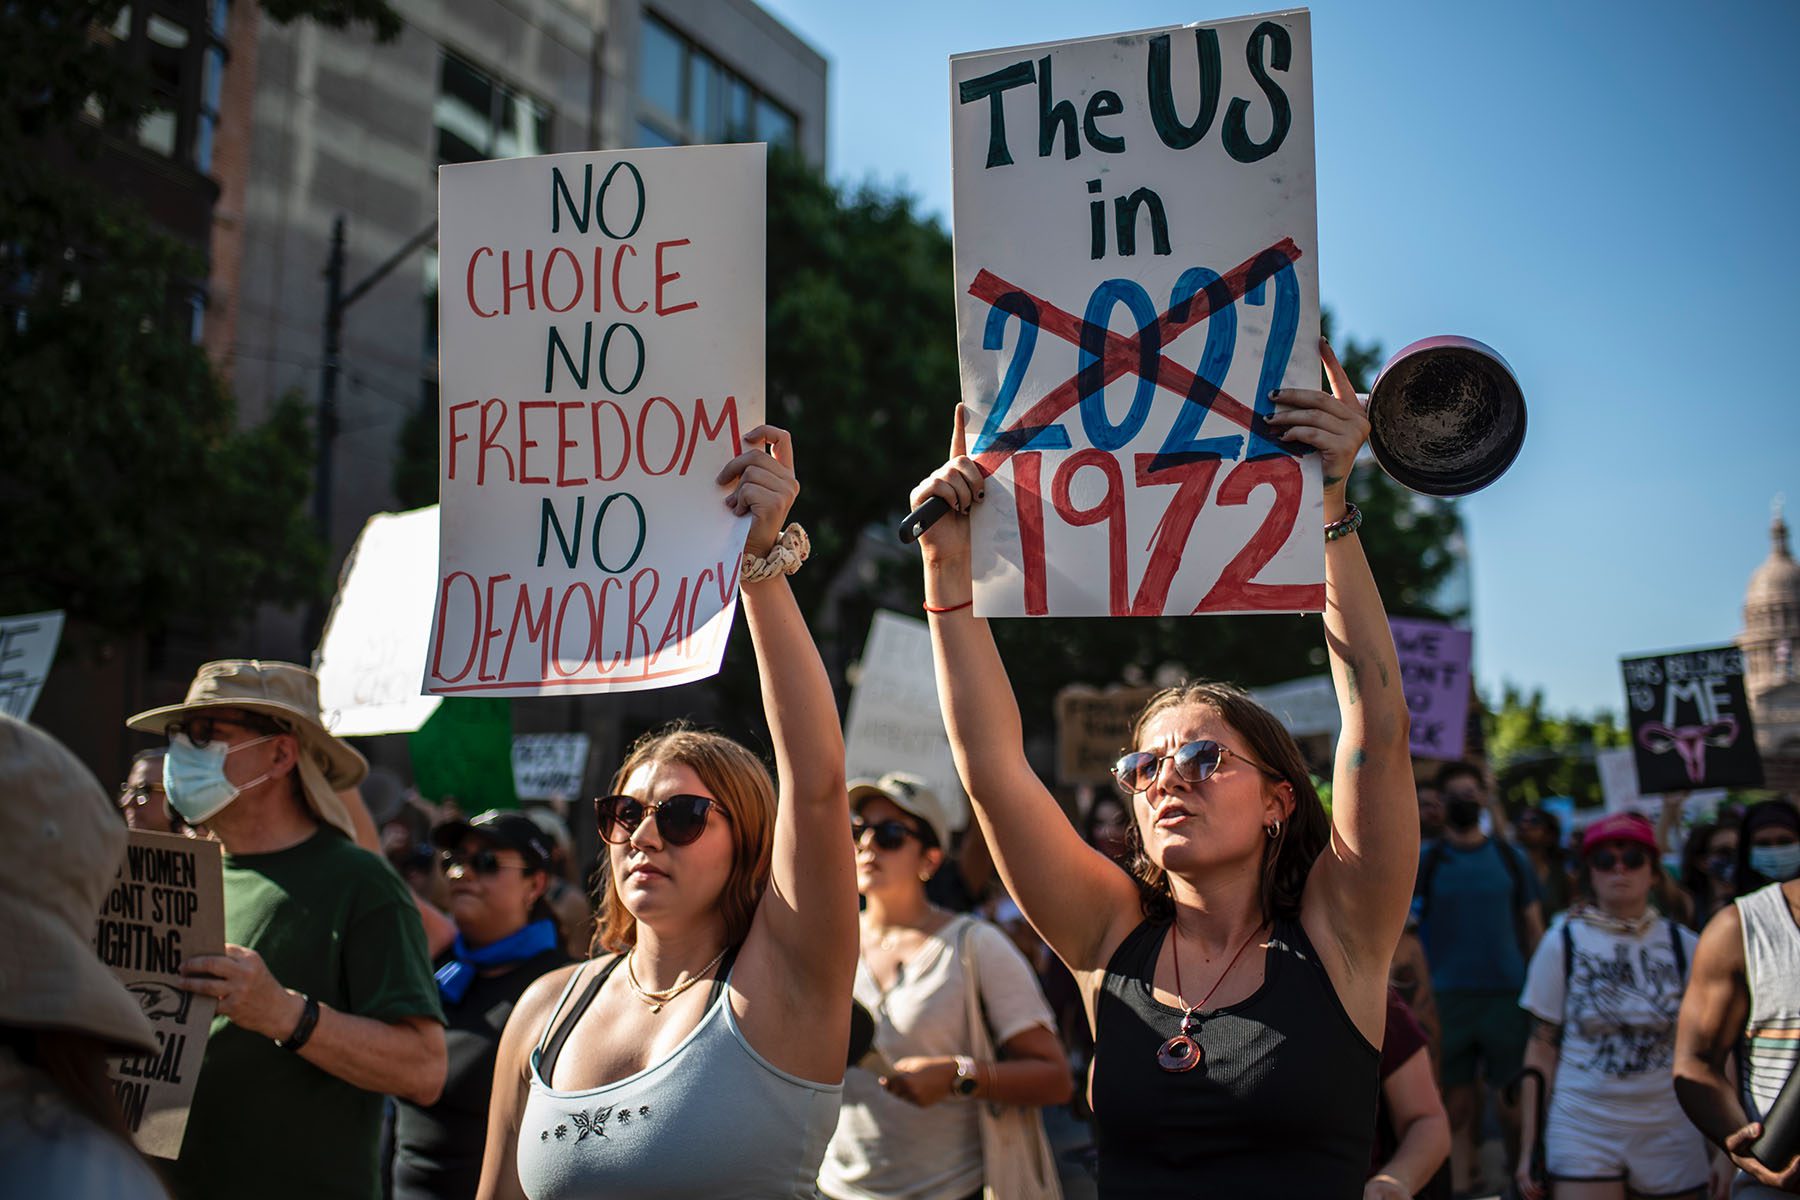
(783, 558)
(1345, 525)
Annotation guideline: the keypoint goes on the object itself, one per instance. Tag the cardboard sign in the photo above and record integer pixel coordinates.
(27, 648)
(601, 321)
(1690, 721)
(167, 904)
(1093, 728)
(1136, 270)
(1434, 669)
(549, 766)
(372, 654)
(1617, 767)
(894, 723)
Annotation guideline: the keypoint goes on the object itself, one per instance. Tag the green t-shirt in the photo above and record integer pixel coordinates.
(333, 921)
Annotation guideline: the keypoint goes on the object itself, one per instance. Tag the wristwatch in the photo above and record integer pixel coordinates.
(966, 1080)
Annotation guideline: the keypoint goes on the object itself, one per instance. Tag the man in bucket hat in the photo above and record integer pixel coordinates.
(61, 1010)
(326, 997)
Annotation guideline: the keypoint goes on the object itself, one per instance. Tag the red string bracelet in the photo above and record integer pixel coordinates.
(949, 608)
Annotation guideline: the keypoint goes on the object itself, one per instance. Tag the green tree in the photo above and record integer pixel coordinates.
(131, 498)
(1536, 753)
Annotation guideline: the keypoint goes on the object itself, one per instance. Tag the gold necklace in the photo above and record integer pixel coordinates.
(657, 999)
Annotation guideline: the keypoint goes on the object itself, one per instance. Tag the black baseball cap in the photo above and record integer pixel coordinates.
(502, 827)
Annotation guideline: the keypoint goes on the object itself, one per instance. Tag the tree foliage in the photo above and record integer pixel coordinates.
(1536, 753)
(131, 498)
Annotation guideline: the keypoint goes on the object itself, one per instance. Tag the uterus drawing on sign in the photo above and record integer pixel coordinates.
(1689, 741)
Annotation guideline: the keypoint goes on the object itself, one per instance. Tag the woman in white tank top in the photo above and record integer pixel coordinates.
(705, 1055)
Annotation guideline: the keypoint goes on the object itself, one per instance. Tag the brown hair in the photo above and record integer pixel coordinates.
(1288, 857)
(738, 780)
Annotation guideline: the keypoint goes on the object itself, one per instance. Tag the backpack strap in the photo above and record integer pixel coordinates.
(1568, 948)
(1434, 858)
(1681, 964)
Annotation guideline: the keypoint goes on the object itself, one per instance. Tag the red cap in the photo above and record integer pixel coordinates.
(1619, 827)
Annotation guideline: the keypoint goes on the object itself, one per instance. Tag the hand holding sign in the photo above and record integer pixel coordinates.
(765, 485)
(248, 994)
(1334, 423)
(957, 487)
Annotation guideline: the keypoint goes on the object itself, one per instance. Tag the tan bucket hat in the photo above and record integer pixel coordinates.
(66, 842)
(290, 695)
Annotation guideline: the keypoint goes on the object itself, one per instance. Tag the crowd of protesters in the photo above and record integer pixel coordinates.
(786, 984)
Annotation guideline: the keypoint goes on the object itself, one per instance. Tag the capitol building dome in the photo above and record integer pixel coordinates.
(1771, 643)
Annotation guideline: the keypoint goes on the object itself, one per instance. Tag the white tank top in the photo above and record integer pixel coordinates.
(1771, 1045)
(714, 1119)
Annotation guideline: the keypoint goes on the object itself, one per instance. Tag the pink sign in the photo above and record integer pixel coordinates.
(1434, 668)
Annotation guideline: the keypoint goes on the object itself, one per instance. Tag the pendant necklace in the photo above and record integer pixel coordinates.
(657, 999)
(1182, 1052)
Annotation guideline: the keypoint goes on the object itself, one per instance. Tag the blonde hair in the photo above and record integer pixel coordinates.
(1288, 857)
(738, 780)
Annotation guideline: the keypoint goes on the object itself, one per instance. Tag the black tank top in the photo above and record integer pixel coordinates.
(1282, 1106)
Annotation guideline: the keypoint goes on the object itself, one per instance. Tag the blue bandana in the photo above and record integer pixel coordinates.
(455, 976)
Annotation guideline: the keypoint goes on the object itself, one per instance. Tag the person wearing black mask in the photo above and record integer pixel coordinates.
(1480, 917)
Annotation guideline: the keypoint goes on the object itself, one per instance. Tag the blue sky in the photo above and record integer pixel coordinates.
(1608, 193)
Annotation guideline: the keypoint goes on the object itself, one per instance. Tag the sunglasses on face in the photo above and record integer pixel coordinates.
(1194, 762)
(203, 731)
(680, 820)
(1630, 858)
(482, 862)
(138, 794)
(890, 834)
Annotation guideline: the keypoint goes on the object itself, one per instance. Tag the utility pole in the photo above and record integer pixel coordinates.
(337, 301)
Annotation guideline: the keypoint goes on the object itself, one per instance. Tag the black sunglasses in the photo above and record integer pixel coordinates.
(1606, 860)
(1194, 762)
(138, 794)
(890, 834)
(482, 862)
(202, 731)
(680, 820)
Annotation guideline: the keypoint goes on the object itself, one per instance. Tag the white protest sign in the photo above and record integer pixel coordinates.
(1617, 768)
(27, 648)
(601, 321)
(549, 766)
(894, 723)
(1307, 707)
(1136, 270)
(372, 654)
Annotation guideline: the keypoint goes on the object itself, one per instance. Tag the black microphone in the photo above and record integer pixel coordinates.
(922, 518)
(1780, 1140)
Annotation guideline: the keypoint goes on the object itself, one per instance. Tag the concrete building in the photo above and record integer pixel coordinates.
(264, 135)
(1770, 640)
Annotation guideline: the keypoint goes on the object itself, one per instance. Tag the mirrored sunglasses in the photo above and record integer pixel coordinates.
(1194, 762)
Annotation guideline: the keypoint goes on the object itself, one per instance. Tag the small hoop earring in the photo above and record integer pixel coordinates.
(1273, 830)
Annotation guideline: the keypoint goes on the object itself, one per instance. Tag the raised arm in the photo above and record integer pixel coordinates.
(1077, 900)
(1362, 884)
(800, 956)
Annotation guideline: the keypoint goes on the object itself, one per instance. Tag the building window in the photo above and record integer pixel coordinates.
(480, 118)
(180, 46)
(689, 96)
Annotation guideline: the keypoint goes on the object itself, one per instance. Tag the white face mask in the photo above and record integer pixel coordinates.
(194, 777)
(1780, 863)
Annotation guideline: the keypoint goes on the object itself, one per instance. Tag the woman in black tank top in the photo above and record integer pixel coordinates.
(1236, 975)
